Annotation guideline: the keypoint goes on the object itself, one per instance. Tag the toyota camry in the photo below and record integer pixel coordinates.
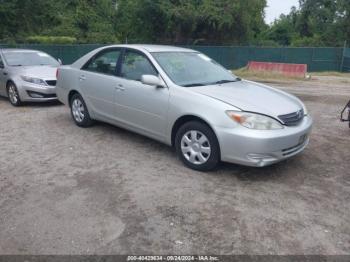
(185, 99)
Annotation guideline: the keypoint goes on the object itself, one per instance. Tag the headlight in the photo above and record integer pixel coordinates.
(34, 80)
(254, 121)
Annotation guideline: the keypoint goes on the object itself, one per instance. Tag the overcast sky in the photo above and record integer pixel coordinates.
(277, 7)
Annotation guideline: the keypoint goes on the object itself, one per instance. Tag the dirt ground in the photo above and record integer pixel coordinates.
(104, 190)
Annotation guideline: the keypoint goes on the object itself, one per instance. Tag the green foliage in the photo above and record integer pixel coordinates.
(153, 21)
(188, 22)
(282, 31)
(265, 43)
(88, 21)
(316, 23)
(51, 40)
(315, 40)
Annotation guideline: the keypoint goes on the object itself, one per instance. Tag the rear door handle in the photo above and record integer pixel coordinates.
(5, 73)
(82, 78)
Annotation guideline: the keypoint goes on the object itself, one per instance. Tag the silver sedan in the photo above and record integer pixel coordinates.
(185, 99)
(27, 76)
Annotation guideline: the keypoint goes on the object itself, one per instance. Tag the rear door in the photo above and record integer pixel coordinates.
(143, 107)
(98, 81)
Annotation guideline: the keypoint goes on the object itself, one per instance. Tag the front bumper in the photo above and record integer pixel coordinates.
(260, 148)
(35, 93)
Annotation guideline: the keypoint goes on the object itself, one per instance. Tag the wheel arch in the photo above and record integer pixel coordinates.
(71, 94)
(6, 92)
(9, 81)
(188, 118)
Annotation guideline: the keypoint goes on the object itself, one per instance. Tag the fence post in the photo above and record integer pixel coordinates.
(343, 57)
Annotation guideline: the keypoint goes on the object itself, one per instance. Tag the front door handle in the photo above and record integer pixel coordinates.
(5, 73)
(120, 88)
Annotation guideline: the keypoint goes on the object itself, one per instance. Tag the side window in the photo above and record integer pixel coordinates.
(135, 65)
(105, 63)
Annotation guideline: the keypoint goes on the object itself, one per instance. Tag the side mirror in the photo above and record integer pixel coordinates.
(152, 80)
(60, 61)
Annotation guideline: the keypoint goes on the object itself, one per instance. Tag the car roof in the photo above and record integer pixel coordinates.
(155, 48)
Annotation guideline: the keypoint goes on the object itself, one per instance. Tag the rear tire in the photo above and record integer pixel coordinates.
(13, 94)
(197, 146)
(79, 111)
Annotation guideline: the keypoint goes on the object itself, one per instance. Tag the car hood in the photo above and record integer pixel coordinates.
(42, 72)
(252, 97)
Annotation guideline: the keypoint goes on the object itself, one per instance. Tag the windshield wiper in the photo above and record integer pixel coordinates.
(194, 84)
(16, 65)
(227, 81)
(215, 83)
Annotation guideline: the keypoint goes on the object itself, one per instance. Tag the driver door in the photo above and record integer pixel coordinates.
(142, 107)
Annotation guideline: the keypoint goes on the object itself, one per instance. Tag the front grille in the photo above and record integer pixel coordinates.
(51, 82)
(292, 119)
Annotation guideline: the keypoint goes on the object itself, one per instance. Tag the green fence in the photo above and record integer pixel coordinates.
(346, 60)
(317, 59)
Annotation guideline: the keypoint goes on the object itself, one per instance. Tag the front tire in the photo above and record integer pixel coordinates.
(79, 111)
(197, 146)
(13, 94)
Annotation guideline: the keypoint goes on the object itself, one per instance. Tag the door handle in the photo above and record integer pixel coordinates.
(5, 73)
(120, 88)
(82, 78)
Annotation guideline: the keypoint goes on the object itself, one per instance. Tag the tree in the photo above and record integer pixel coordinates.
(190, 21)
(219, 22)
(87, 20)
(282, 30)
(316, 23)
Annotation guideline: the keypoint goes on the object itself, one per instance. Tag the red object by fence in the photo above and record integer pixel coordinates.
(298, 70)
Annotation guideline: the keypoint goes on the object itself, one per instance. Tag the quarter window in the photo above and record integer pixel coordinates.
(135, 65)
(105, 63)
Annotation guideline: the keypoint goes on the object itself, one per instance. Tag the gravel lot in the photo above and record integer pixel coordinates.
(104, 190)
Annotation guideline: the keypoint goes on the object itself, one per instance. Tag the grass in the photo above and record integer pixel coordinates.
(331, 73)
(271, 77)
(265, 76)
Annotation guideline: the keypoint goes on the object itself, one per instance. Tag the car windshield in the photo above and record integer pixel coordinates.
(28, 58)
(193, 69)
